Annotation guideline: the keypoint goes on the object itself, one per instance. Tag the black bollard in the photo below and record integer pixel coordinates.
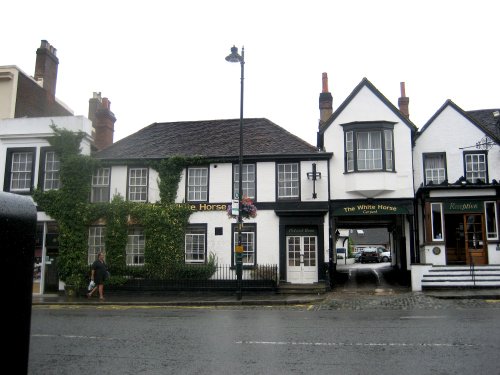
(17, 231)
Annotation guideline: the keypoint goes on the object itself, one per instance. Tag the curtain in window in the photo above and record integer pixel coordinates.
(434, 169)
(369, 150)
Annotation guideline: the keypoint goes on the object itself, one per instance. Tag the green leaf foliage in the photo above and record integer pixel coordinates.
(164, 223)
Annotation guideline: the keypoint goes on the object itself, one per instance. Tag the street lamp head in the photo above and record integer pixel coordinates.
(234, 56)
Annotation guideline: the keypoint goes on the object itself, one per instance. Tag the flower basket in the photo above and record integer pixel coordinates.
(248, 209)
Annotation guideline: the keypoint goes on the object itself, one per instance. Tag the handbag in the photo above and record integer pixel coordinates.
(91, 285)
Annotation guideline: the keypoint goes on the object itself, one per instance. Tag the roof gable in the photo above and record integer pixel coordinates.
(208, 138)
(366, 83)
(482, 119)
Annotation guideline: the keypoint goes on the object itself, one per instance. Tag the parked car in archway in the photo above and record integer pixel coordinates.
(370, 254)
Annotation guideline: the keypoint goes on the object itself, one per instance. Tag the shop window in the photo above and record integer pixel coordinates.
(437, 221)
(490, 210)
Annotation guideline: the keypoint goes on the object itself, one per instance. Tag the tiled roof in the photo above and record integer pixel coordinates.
(486, 118)
(209, 138)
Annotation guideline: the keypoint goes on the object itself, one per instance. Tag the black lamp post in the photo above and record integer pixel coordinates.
(235, 57)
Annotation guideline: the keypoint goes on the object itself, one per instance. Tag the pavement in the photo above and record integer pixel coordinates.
(331, 299)
(182, 299)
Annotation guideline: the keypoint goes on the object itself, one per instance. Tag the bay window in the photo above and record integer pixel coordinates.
(369, 146)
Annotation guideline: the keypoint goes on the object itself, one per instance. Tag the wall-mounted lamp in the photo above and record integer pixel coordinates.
(314, 176)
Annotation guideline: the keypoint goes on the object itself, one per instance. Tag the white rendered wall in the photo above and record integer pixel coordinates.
(33, 132)
(266, 182)
(9, 76)
(448, 133)
(267, 235)
(306, 186)
(366, 106)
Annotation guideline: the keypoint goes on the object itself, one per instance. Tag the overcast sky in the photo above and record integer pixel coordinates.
(162, 61)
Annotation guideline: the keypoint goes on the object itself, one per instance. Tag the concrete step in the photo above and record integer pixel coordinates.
(449, 277)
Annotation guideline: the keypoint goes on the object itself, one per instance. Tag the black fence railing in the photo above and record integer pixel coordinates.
(261, 277)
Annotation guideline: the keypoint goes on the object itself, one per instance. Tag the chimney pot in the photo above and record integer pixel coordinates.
(404, 101)
(103, 120)
(46, 67)
(325, 101)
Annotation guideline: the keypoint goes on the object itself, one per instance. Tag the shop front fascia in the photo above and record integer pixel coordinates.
(460, 229)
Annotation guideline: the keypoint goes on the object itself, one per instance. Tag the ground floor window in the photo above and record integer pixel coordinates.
(490, 212)
(135, 247)
(95, 242)
(195, 246)
(437, 221)
(248, 240)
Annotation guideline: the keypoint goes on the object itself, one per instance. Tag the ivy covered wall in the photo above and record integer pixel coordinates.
(164, 222)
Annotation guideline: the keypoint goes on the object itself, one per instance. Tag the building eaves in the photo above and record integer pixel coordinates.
(366, 83)
(483, 119)
(208, 139)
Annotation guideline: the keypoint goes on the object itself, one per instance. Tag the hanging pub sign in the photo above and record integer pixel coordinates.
(463, 206)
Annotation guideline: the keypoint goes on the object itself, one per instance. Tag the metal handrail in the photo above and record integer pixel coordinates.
(472, 270)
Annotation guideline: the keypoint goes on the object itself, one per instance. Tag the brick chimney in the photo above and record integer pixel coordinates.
(325, 102)
(46, 67)
(403, 102)
(103, 121)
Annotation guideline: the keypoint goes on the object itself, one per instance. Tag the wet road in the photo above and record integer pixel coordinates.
(368, 278)
(257, 340)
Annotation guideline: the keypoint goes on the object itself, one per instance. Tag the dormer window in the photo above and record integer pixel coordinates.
(369, 146)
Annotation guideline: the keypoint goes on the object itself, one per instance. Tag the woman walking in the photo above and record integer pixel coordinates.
(98, 276)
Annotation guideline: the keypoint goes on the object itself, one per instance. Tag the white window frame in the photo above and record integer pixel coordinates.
(21, 171)
(249, 246)
(96, 242)
(434, 174)
(197, 184)
(100, 185)
(475, 168)
(288, 180)
(369, 158)
(248, 180)
(195, 245)
(52, 166)
(437, 236)
(491, 222)
(135, 249)
(373, 157)
(138, 184)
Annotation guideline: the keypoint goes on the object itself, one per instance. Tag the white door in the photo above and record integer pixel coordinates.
(301, 259)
